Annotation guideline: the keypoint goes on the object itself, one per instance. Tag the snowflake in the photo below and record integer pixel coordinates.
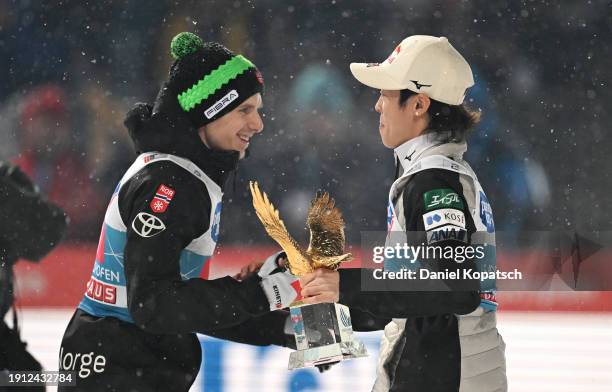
(158, 205)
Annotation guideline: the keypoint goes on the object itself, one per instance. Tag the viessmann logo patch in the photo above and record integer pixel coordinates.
(486, 213)
(221, 104)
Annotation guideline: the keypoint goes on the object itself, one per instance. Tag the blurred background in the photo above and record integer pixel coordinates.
(72, 69)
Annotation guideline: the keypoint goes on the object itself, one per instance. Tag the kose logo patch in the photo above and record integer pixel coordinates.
(442, 217)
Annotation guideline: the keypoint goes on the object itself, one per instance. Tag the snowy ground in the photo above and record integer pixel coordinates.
(545, 352)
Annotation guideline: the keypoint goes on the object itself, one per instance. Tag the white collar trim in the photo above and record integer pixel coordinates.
(412, 150)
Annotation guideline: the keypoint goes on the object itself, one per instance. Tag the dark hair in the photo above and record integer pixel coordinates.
(458, 120)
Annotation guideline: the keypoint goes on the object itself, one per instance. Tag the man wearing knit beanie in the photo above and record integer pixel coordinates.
(207, 81)
(149, 291)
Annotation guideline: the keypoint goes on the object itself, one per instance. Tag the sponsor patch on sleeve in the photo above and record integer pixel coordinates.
(442, 198)
(446, 233)
(161, 200)
(147, 225)
(444, 216)
(486, 213)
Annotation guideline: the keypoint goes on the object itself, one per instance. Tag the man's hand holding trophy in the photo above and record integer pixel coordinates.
(322, 327)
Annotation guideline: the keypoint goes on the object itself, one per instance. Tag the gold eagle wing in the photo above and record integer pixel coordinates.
(326, 227)
(299, 262)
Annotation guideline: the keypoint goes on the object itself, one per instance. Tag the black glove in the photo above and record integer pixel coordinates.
(29, 224)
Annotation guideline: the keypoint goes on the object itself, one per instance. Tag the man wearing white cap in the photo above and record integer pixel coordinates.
(438, 339)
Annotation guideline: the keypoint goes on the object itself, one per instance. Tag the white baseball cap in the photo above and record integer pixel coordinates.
(423, 64)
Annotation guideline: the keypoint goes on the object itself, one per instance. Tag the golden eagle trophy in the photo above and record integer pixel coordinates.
(323, 332)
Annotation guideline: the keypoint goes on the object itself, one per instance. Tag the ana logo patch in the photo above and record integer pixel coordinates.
(486, 213)
(147, 225)
(445, 233)
(221, 104)
(443, 217)
(162, 198)
(442, 198)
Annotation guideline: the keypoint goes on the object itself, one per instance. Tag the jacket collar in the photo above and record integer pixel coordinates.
(427, 144)
(154, 132)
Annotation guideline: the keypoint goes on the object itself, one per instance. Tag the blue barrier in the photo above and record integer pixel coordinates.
(233, 367)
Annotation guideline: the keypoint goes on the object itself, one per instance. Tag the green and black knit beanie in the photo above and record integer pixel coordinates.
(208, 79)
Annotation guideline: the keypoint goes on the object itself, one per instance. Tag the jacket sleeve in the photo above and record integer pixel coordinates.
(364, 321)
(159, 300)
(421, 200)
(265, 330)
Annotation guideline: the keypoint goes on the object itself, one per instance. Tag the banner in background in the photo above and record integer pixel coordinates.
(60, 279)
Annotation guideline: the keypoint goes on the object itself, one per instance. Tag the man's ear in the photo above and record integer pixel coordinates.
(422, 103)
(203, 135)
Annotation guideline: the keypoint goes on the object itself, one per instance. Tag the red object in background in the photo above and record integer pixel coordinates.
(69, 173)
(47, 156)
(60, 280)
(47, 98)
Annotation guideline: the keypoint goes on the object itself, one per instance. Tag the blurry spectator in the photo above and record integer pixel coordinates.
(109, 148)
(502, 159)
(515, 46)
(327, 146)
(50, 155)
(318, 116)
(9, 118)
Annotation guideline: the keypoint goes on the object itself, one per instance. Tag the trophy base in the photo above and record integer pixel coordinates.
(326, 354)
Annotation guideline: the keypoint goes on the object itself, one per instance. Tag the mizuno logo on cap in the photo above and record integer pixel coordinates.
(419, 85)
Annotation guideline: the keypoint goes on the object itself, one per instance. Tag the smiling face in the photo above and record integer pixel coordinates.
(233, 131)
(400, 123)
